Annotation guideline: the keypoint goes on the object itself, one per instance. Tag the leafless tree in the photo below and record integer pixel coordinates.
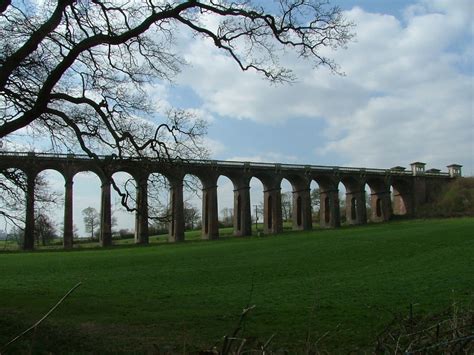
(315, 203)
(91, 220)
(286, 205)
(45, 229)
(79, 69)
(13, 188)
(192, 216)
(227, 216)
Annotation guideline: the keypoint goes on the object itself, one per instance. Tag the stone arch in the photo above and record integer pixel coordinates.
(199, 195)
(176, 225)
(315, 197)
(228, 212)
(129, 189)
(380, 199)
(355, 203)
(243, 185)
(57, 184)
(209, 202)
(257, 203)
(301, 198)
(158, 187)
(402, 197)
(272, 217)
(329, 197)
(287, 203)
(9, 175)
(86, 186)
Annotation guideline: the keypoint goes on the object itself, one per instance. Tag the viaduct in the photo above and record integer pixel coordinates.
(411, 188)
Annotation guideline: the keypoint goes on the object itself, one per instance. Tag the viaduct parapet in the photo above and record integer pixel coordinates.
(411, 188)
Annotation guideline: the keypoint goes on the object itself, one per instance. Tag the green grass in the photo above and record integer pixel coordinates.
(86, 243)
(345, 281)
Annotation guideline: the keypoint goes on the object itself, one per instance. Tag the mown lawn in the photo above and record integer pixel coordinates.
(346, 282)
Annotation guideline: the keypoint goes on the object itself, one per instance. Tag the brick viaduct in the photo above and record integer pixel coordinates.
(410, 190)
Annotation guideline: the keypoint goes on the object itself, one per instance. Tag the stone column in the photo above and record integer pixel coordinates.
(29, 237)
(105, 214)
(272, 218)
(141, 215)
(68, 233)
(356, 211)
(242, 213)
(302, 209)
(176, 226)
(419, 197)
(381, 205)
(329, 209)
(210, 217)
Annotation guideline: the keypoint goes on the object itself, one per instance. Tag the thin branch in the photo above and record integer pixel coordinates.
(42, 318)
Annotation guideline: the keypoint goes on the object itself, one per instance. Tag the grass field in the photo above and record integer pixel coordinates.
(86, 243)
(345, 282)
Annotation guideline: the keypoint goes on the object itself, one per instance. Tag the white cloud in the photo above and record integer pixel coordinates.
(406, 94)
(214, 146)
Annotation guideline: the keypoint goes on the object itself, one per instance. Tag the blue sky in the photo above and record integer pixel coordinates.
(407, 95)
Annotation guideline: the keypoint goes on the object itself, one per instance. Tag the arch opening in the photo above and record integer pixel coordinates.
(257, 204)
(87, 204)
(159, 201)
(124, 223)
(228, 206)
(287, 200)
(51, 210)
(315, 197)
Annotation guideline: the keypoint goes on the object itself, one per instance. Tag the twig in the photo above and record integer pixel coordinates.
(42, 318)
(268, 342)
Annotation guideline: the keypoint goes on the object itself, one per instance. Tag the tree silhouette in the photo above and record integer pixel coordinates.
(78, 70)
(91, 220)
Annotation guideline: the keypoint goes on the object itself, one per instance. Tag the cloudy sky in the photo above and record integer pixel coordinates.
(407, 95)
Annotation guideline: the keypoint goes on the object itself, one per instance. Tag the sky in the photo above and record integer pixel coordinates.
(406, 95)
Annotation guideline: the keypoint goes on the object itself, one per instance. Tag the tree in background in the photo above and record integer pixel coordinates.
(342, 206)
(227, 217)
(286, 205)
(13, 187)
(91, 220)
(315, 203)
(192, 216)
(45, 229)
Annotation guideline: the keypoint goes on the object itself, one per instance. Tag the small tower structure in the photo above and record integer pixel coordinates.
(418, 168)
(454, 170)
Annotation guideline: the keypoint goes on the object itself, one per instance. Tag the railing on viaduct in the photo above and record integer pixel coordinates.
(411, 188)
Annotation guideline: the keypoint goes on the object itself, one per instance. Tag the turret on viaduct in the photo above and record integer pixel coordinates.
(410, 190)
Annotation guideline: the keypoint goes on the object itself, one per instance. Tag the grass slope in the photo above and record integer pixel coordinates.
(344, 281)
